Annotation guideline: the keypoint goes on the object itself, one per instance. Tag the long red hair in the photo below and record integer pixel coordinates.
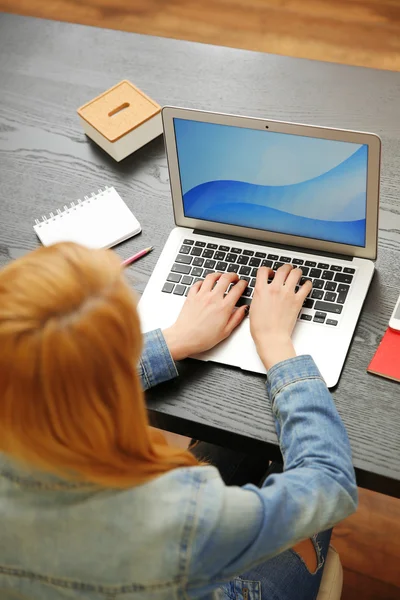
(70, 397)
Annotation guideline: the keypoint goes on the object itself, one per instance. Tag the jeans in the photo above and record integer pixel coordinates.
(284, 577)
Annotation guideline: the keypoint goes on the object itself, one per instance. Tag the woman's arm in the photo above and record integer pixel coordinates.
(156, 363)
(240, 527)
(237, 528)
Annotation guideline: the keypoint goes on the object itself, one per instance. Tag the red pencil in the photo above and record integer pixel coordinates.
(135, 257)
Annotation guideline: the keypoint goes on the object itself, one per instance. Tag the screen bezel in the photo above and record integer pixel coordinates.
(373, 176)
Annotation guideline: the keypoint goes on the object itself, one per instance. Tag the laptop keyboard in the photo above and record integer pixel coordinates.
(197, 259)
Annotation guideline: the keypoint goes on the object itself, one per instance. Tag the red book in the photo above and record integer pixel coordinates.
(386, 360)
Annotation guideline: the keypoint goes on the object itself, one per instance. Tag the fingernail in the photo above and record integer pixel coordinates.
(247, 310)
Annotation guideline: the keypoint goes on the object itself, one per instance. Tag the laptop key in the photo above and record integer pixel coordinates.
(328, 307)
(174, 277)
(304, 279)
(219, 255)
(336, 268)
(342, 287)
(318, 319)
(212, 246)
(341, 299)
(200, 244)
(188, 242)
(197, 280)
(184, 269)
(224, 248)
(197, 272)
(168, 287)
(272, 257)
(349, 271)
(221, 266)
(327, 275)
(298, 261)
(196, 251)
(330, 296)
(285, 259)
(330, 286)
(331, 322)
(233, 268)
(230, 257)
(243, 301)
(248, 252)
(184, 259)
(267, 263)
(277, 265)
(207, 272)
(323, 266)
(254, 262)
(308, 303)
(343, 278)
(305, 317)
(253, 282)
(260, 255)
(236, 250)
(209, 264)
(254, 272)
(198, 262)
(305, 271)
(310, 263)
(187, 280)
(184, 249)
(318, 284)
(248, 292)
(317, 294)
(315, 273)
(179, 289)
(243, 260)
(245, 270)
(208, 253)
(245, 278)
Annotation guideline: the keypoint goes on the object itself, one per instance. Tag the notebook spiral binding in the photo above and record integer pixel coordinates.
(67, 209)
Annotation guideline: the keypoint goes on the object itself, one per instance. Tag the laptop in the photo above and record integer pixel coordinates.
(249, 192)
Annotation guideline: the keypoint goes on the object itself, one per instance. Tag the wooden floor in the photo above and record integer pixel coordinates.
(357, 32)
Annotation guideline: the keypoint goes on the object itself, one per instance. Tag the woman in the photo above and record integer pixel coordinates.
(93, 503)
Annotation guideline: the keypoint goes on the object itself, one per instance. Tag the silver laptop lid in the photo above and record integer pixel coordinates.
(284, 183)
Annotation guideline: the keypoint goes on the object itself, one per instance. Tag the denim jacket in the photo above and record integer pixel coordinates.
(184, 533)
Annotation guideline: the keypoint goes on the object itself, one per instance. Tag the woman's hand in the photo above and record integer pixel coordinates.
(207, 317)
(274, 311)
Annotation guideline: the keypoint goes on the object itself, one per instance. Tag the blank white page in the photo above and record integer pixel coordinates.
(99, 221)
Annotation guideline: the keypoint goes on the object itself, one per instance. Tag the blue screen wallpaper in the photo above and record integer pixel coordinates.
(278, 182)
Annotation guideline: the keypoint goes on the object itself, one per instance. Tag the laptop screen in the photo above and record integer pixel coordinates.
(285, 183)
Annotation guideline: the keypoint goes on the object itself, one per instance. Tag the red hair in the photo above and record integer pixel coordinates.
(70, 397)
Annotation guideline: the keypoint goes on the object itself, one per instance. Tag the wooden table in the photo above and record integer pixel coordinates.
(49, 69)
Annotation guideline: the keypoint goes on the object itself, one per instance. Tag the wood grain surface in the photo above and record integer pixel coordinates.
(357, 32)
(48, 69)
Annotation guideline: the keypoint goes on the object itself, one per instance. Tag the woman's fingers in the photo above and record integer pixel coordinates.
(223, 283)
(263, 274)
(304, 290)
(195, 289)
(210, 281)
(293, 278)
(236, 318)
(235, 292)
(281, 275)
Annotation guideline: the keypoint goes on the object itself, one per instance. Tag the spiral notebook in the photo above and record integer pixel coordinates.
(101, 220)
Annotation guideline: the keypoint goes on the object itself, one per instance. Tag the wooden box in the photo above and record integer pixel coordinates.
(121, 120)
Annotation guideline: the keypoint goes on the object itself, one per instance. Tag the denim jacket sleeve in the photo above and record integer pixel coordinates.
(156, 364)
(238, 528)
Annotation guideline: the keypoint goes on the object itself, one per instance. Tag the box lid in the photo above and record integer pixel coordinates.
(119, 110)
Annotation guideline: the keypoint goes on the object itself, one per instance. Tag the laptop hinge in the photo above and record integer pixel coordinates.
(236, 238)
